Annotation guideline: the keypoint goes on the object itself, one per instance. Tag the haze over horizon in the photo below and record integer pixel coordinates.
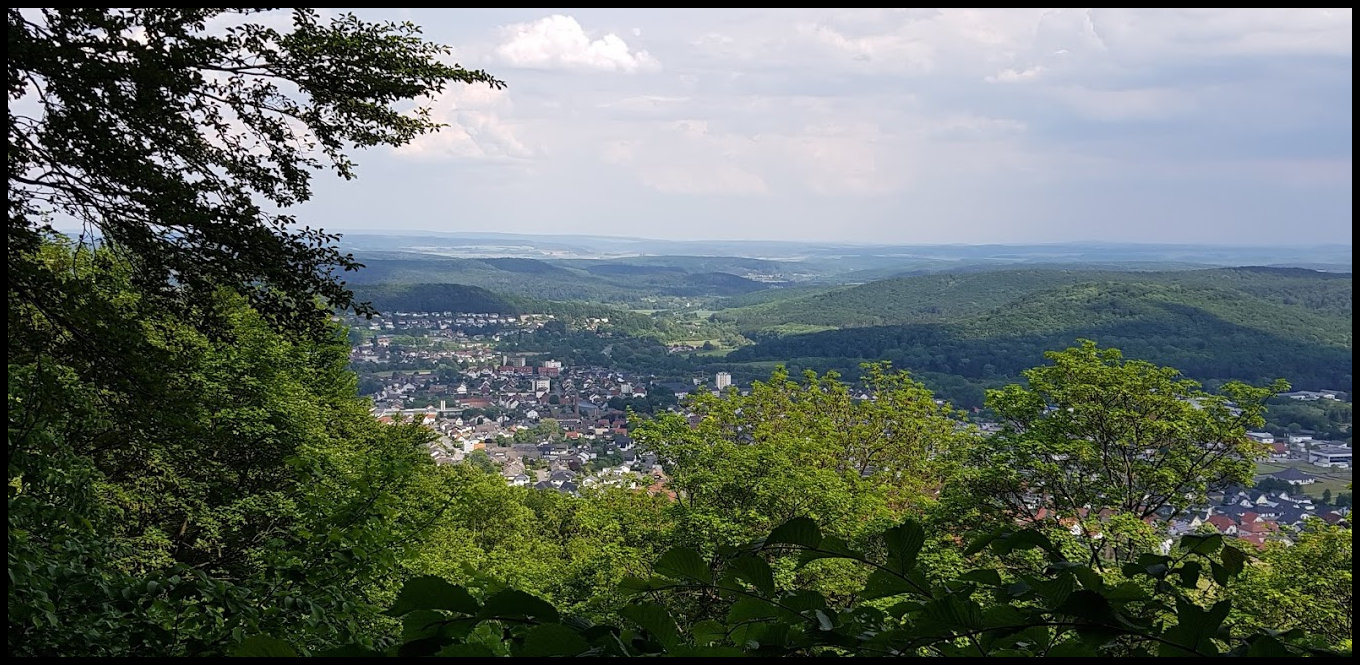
(914, 126)
(428, 232)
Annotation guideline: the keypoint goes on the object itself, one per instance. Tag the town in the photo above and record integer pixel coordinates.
(540, 423)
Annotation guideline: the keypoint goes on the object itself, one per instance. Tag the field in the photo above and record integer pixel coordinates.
(1336, 480)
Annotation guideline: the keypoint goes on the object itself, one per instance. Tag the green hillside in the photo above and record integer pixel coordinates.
(605, 282)
(433, 298)
(1210, 333)
(732, 264)
(945, 297)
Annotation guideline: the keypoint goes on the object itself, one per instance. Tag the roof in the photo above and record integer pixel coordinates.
(1291, 473)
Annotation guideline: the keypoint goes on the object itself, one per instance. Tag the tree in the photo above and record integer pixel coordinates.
(810, 447)
(158, 502)
(902, 610)
(1305, 585)
(478, 459)
(1327, 497)
(1098, 439)
(176, 142)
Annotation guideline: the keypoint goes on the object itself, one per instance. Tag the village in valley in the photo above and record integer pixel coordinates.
(544, 424)
(535, 421)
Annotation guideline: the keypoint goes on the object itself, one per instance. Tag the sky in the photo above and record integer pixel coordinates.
(871, 125)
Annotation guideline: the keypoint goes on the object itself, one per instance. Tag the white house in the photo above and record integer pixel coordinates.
(1330, 455)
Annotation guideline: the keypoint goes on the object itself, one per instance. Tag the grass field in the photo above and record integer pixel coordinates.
(1335, 480)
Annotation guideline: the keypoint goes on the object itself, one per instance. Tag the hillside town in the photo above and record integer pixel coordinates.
(540, 423)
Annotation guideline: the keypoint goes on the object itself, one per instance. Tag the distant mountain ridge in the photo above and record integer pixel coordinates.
(946, 296)
(533, 278)
(1252, 324)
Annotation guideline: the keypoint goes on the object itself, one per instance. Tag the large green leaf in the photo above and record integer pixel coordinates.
(655, 619)
(797, 531)
(421, 624)
(831, 547)
(748, 609)
(707, 632)
(1189, 573)
(466, 650)
(1202, 544)
(804, 599)
(882, 583)
(954, 612)
(1234, 560)
(1266, 646)
(754, 571)
(984, 576)
(1125, 591)
(633, 584)
(684, 563)
(552, 639)
(512, 603)
(979, 541)
(1195, 629)
(904, 543)
(1086, 606)
(428, 592)
(1026, 539)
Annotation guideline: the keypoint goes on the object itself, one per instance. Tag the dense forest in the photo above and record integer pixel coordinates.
(1251, 296)
(192, 472)
(390, 298)
(619, 283)
(1151, 322)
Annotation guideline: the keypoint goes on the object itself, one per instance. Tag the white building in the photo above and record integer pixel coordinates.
(1329, 455)
(722, 380)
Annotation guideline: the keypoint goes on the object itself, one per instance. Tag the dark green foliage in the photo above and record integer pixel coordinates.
(966, 332)
(1306, 585)
(389, 298)
(1109, 448)
(1146, 323)
(954, 296)
(176, 144)
(533, 278)
(168, 491)
(1062, 609)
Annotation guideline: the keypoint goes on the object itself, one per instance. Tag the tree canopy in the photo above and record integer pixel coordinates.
(1094, 436)
(182, 136)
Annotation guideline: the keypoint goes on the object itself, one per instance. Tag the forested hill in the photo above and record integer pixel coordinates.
(606, 282)
(1209, 332)
(949, 296)
(388, 298)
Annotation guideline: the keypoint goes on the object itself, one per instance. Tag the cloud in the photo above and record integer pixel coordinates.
(559, 42)
(939, 125)
(1016, 75)
(684, 157)
(1121, 105)
(476, 128)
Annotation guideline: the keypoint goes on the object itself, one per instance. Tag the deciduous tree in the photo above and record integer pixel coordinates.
(181, 136)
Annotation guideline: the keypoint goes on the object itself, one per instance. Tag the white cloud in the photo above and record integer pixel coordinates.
(1131, 104)
(1016, 75)
(559, 42)
(476, 128)
(973, 124)
(684, 157)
